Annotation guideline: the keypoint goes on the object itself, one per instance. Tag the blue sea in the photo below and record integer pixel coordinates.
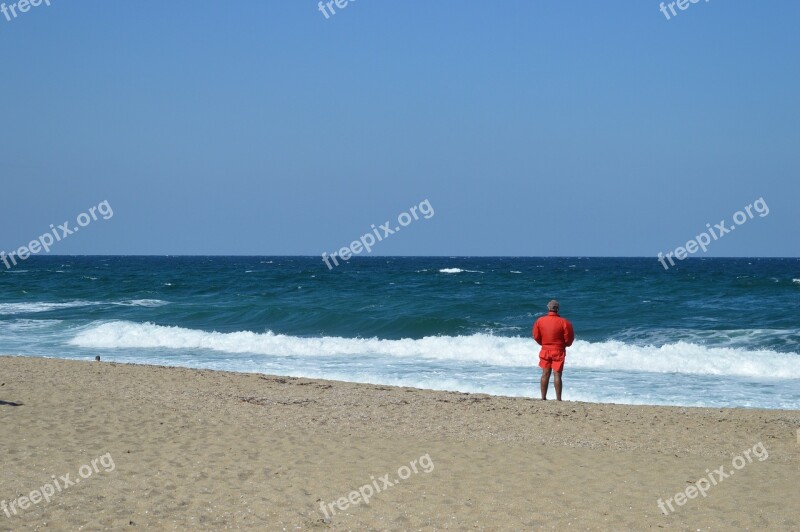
(708, 332)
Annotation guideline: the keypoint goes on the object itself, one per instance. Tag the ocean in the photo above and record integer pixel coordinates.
(708, 332)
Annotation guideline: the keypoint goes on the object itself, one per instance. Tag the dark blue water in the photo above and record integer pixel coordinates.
(716, 332)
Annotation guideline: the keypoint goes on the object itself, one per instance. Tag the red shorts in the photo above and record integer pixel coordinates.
(554, 362)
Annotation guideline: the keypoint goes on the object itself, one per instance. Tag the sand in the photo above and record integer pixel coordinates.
(198, 449)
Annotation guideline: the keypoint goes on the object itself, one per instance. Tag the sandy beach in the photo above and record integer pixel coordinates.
(178, 449)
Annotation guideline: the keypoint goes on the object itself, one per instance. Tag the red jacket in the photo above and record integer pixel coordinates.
(553, 333)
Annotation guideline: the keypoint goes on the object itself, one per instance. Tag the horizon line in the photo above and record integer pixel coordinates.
(420, 256)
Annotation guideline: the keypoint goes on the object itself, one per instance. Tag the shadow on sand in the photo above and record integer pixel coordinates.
(6, 403)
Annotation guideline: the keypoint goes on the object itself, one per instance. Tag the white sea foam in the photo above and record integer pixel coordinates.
(10, 309)
(31, 308)
(680, 357)
(27, 325)
(457, 270)
(796, 280)
(142, 303)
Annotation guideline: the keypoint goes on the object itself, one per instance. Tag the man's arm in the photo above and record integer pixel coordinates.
(537, 333)
(569, 334)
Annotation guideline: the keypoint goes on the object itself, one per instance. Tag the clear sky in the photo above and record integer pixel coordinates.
(532, 127)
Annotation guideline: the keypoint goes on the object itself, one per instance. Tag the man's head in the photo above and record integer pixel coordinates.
(553, 306)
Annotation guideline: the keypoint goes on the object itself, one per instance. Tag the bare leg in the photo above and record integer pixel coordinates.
(557, 382)
(545, 382)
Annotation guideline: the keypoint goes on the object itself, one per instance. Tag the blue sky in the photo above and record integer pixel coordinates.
(533, 128)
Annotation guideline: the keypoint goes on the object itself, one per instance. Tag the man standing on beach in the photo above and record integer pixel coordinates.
(554, 334)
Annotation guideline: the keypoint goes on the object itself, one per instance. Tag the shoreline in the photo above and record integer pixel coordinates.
(551, 390)
(198, 448)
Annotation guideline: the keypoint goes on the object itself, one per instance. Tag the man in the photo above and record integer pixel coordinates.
(554, 334)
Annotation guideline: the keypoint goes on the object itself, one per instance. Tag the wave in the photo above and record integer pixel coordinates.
(680, 357)
(142, 303)
(457, 270)
(10, 309)
(788, 339)
(21, 325)
(32, 308)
